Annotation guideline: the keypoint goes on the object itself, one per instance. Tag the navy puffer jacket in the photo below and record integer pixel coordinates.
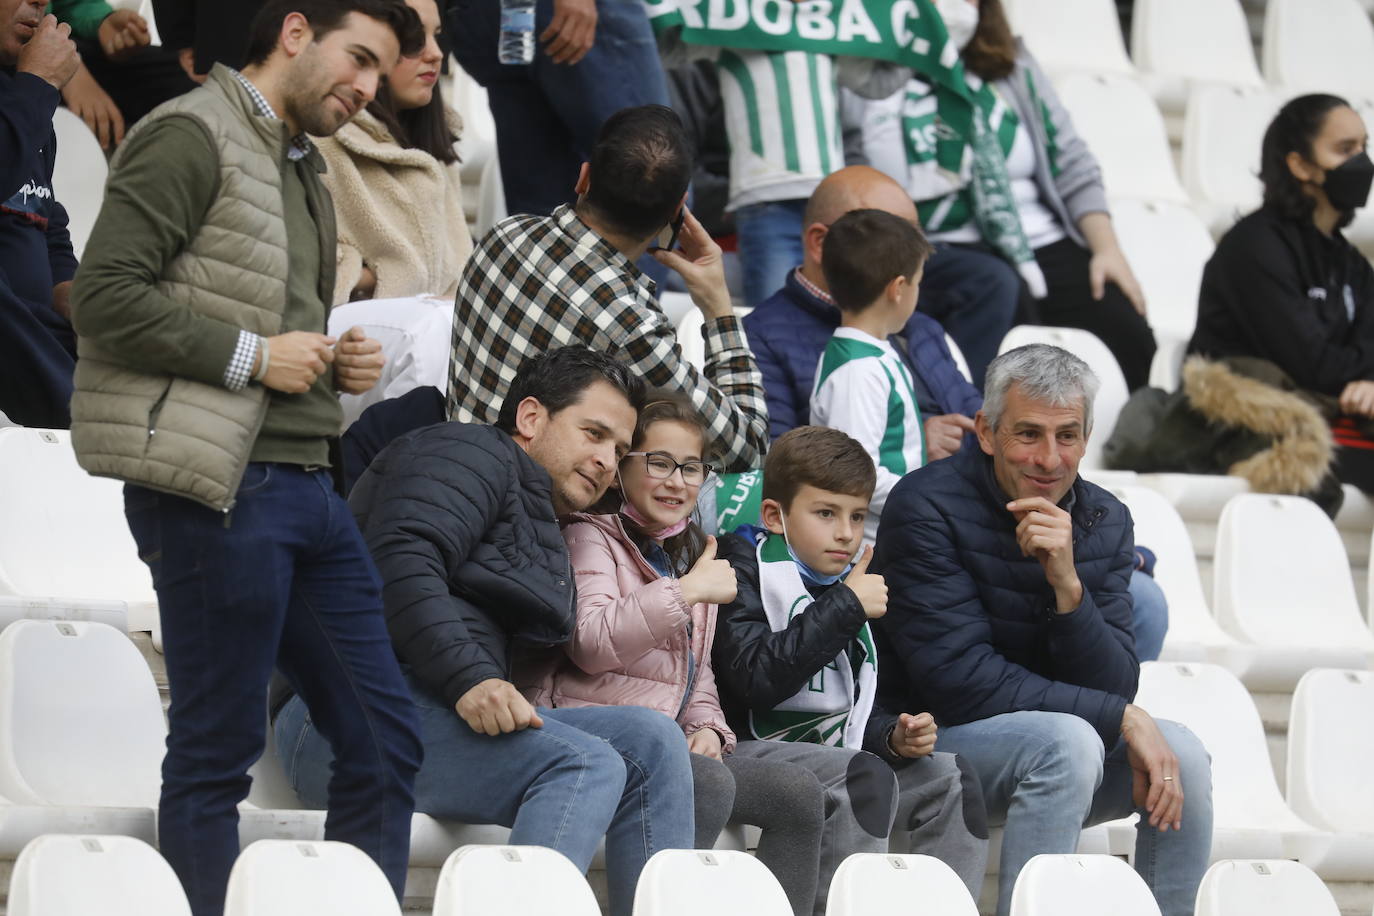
(971, 630)
(460, 522)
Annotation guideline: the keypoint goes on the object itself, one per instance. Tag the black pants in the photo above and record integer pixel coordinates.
(140, 83)
(1070, 304)
(37, 358)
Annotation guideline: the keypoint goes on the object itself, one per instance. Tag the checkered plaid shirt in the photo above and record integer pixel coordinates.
(536, 283)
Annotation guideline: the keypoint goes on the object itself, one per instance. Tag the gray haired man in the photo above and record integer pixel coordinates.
(1009, 619)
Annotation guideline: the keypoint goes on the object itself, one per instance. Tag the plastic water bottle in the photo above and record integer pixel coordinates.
(517, 32)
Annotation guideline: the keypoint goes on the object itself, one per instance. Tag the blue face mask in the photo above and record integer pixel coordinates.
(809, 575)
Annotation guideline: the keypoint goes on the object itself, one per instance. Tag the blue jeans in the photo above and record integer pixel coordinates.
(621, 771)
(548, 115)
(770, 244)
(1045, 776)
(973, 293)
(1149, 616)
(284, 581)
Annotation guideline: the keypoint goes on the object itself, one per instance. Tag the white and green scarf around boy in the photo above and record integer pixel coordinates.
(829, 709)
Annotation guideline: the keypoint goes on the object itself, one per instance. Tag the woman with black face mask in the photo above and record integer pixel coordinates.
(1286, 287)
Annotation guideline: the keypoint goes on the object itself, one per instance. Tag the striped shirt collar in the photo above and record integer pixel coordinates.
(301, 146)
(812, 288)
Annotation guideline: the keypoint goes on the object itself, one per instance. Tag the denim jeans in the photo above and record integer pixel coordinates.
(1045, 776)
(973, 293)
(547, 115)
(1149, 616)
(286, 581)
(770, 245)
(621, 771)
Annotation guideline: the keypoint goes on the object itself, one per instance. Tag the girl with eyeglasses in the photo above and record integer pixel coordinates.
(648, 586)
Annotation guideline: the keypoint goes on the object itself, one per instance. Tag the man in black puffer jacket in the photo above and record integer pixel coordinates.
(1010, 621)
(462, 520)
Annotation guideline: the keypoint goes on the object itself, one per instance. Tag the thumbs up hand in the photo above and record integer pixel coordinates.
(709, 581)
(868, 587)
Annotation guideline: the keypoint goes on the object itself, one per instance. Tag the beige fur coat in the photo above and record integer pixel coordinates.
(400, 211)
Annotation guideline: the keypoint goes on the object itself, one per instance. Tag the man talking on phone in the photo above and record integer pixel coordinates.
(540, 282)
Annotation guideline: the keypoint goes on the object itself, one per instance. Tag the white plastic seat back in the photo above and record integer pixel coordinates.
(1330, 746)
(1159, 527)
(1281, 577)
(1263, 887)
(65, 538)
(1112, 394)
(512, 881)
(80, 718)
(1214, 704)
(1222, 134)
(1319, 46)
(673, 880)
(58, 875)
(1074, 885)
(1123, 128)
(690, 340)
(1167, 247)
(1069, 35)
(1179, 44)
(960, 361)
(292, 877)
(79, 174)
(867, 883)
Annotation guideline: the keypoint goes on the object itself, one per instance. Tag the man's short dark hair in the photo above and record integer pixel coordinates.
(640, 167)
(864, 251)
(824, 458)
(557, 379)
(325, 16)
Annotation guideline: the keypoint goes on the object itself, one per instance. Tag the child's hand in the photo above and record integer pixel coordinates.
(706, 742)
(869, 588)
(709, 581)
(913, 736)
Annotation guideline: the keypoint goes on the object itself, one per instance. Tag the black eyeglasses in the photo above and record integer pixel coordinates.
(661, 466)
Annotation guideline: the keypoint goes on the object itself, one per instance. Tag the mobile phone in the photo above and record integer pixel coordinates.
(667, 236)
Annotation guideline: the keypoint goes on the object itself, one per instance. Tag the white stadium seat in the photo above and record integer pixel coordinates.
(81, 733)
(960, 361)
(1330, 746)
(1122, 126)
(1271, 887)
(1182, 45)
(1167, 246)
(690, 340)
(1111, 397)
(79, 172)
(1222, 134)
(60, 875)
(673, 881)
(512, 881)
(416, 334)
(1250, 818)
(874, 883)
(1067, 35)
(1319, 46)
(65, 548)
(1281, 582)
(1079, 885)
(292, 877)
(1193, 633)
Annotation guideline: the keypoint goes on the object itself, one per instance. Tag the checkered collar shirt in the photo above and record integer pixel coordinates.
(536, 283)
(301, 145)
(812, 288)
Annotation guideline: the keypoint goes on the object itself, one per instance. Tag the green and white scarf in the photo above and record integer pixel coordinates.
(828, 710)
(974, 167)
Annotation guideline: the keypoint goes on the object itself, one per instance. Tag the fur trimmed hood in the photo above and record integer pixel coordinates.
(1301, 447)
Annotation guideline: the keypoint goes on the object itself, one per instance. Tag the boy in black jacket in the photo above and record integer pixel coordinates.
(797, 669)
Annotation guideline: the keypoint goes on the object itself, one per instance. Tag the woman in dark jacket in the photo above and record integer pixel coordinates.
(1285, 286)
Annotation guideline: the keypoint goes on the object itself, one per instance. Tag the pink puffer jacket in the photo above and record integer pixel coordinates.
(630, 645)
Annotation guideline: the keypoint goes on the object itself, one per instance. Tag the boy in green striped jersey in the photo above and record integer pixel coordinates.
(873, 263)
